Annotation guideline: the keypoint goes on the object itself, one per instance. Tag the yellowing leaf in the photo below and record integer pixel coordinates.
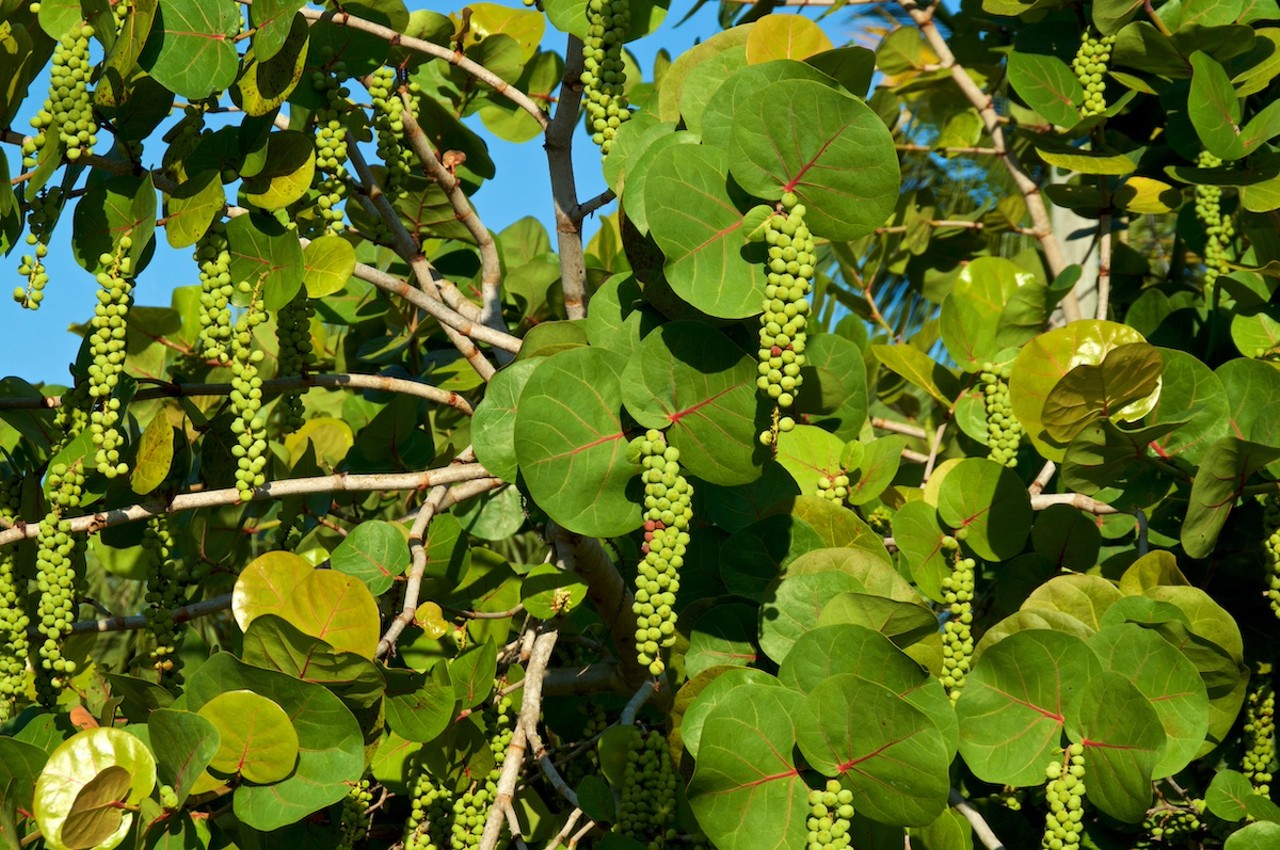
(155, 455)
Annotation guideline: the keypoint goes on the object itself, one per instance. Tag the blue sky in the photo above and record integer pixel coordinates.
(36, 345)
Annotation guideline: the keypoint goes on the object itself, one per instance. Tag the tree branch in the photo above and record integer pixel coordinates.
(980, 826)
(1043, 229)
(121, 623)
(607, 591)
(1075, 500)
(564, 192)
(490, 265)
(176, 389)
(453, 57)
(530, 710)
(341, 482)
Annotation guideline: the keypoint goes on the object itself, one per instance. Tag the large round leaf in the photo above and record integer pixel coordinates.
(990, 503)
(710, 262)
(1045, 360)
(835, 154)
(326, 604)
(570, 444)
(493, 425)
(919, 538)
(86, 772)
(719, 115)
(973, 322)
(746, 791)
(256, 739)
(184, 743)
(1123, 741)
(330, 743)
(690, 377)
(375, 552)
(266, 256)
(1011, 708)
(791, 606)
(888, 751)
(1168, 680)
(713, 693)
(190, 51)
(1193, 397)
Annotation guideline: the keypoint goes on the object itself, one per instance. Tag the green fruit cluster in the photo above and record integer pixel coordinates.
(957, 634)
(668, 510)
(249, 425)
(471, 808)
(1218, 228)
(354, 824)
(830, 812)
(59, 562)
(1260, 731)
(1271, 547)
(427, 825)
(164, 594)
(40, 220)
(388, 126)
(14, 645)
(1090, 64)
(786, 307)
(296, 357)
(1170, 826)
(68, 110)
(213, 253)
(647, 804)
(107, 345)
(604, 79)
(834, 487)
(331, 146)
(1064, 795)
(1004, 431)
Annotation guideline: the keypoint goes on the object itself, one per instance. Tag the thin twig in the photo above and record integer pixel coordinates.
(933, 453)
(121, 623)
(565, 830)
(453, 57)
(1104, 265)
(980, 826)
(1043, 478)
(637, 701)
(899, 428)
(1076, 500)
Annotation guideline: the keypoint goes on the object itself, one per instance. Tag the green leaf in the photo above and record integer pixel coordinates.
(828, 651)
(837, 156)
(904, 623)
(690, 377)
(419, 708)
(1227, 467)
(184, 743)
(919, 538)
(1110, 15)
(20, 764)
(990, 502)
(273, 643)
(95, 815)
(1011, 708)
(155, 455)
(746, 793)
(286, 174)
(119, 206)
(264, 254)
(1047, 85)
(791, 606)
(266, 82)
(1123, 740)
(1087, 393)
(74, 765)
(1255, 836)
(568, 431)
(325, 604)
(1253, 397)
(889, 752)
(257, 741)
(808, 453)
(699, 230)
(472, 674)
(1168, 680)
(548, 591)
(983, 314)
(1043, 362)
(785, 37)
(192, 208)
(493, 425)
(1230, 796)
(707, 690)
(918, 368)
(272, 21)
(330, 744)
(327, 265)
(723, 636)
(190, 51)
(122, 58)
(1214, 108)
(374, 552)
(742, 87)
(1192, 396)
